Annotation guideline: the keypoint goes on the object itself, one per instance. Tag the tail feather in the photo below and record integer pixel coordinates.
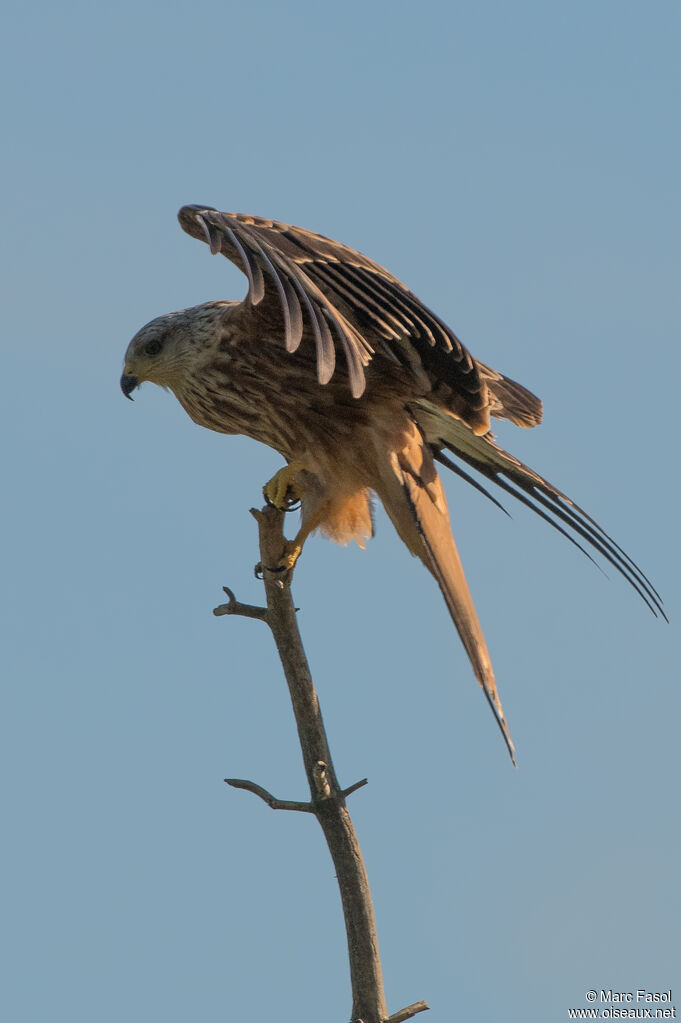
(531, 489)
(414, 499)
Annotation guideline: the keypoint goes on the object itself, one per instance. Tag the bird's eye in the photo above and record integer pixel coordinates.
(153, 347)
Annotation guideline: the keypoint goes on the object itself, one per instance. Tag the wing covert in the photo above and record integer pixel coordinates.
(350, 302)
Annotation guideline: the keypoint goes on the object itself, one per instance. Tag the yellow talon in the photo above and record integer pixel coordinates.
(292, 552)
(281, 491)
(286, 563)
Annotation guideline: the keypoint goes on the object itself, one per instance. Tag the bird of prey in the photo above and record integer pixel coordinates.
(335, 364)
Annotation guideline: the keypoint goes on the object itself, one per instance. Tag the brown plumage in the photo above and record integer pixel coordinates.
(332, 362)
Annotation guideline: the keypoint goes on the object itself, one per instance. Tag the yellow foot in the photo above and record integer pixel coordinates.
(281, 490)
(291, 553)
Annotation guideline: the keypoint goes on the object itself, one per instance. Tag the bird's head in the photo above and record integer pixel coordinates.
(165, 349)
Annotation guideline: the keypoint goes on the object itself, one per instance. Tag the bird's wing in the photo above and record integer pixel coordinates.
(531, 489)
(351, 304)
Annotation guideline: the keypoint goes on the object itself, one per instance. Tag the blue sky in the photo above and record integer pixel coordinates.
(517, 165)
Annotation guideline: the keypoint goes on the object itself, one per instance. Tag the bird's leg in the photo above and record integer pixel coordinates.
(294, 548)
(281, 491)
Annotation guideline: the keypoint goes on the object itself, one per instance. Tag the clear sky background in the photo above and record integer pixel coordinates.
(518, 166)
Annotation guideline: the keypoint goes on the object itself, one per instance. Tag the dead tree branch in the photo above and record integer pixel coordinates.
(327, 800)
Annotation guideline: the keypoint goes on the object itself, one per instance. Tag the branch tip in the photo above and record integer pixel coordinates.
(407, 1012)
(235, 607)
(353, 788)
(267, 797)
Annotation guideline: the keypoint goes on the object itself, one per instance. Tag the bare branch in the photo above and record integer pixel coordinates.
(353, 788)
(272, 801)
(407, 1013)
(234, 607)
(327, 797)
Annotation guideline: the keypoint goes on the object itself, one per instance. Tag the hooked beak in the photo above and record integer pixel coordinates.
(128, 385)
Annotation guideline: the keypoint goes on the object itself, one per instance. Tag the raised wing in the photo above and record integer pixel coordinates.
(350, 303)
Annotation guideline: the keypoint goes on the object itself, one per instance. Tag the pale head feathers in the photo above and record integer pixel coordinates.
(168, 347)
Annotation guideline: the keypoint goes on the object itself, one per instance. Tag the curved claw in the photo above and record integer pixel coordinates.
(282, 491)
(291, 553)
(288, 504)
